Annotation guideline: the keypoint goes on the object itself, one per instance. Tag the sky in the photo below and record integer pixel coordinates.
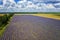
(17, 0)
(1, 2)
(37, 0)
(29, 6)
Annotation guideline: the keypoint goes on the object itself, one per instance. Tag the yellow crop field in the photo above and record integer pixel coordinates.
(1, 14)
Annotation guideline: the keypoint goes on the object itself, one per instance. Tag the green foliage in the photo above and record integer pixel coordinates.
(26, 12)
(4, 20)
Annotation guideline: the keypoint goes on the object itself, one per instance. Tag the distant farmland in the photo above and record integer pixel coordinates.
(1, 14)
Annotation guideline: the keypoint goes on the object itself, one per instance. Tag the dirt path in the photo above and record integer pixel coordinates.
(29, 27)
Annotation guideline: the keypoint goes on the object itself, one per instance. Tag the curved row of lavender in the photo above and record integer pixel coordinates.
(27, 27)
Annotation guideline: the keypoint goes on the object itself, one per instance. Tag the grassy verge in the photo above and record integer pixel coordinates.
(2, 31)
(3, 27)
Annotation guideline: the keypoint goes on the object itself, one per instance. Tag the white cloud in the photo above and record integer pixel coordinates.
(24, 0)
(1, 6)
(21, 4)
(49, 6)
(4, 2)
(12, 1)
(28, 6)
(57, 4)
(37, 0)
(45, 6)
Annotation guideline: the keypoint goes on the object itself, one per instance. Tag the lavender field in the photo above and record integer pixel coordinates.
(27, 27)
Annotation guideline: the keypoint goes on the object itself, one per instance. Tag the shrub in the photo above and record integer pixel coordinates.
(4, 19)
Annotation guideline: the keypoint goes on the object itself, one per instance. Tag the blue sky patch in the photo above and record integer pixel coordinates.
(1, 2)
(17, 0)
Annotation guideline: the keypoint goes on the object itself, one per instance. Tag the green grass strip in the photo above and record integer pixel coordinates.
(2, 31)
(4, 27)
